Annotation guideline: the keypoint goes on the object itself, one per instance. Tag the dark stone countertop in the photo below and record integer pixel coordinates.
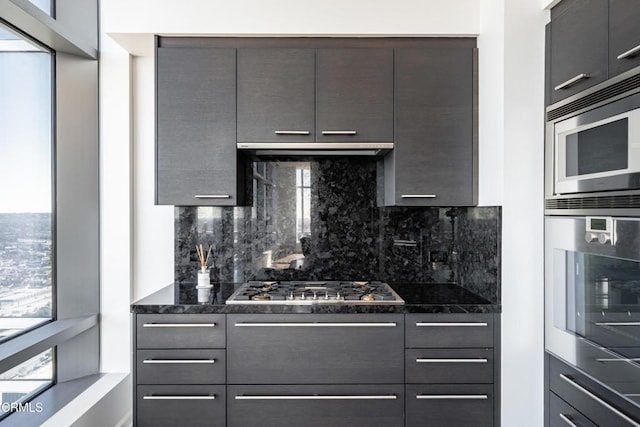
(418, 297)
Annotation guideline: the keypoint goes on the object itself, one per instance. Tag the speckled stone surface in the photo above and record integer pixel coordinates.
(419, 298)
(346, 236)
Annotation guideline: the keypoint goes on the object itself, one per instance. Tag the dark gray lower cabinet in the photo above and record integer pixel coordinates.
(315, 405)
(561, 414)
(175, 405)
(449, 405)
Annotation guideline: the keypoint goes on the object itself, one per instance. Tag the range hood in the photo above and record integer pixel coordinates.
(315, 148)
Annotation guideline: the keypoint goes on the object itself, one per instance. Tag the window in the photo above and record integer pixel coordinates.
(26, 267)
(24, 380)
(45, 5)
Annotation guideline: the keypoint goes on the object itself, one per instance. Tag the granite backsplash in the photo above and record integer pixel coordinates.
(320, 220)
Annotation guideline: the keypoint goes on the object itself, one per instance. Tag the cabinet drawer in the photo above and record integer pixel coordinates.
(181, 366)
(159, 406)
(449, 405)
(449, 330)
(449, 366)
(315, 349)
(319, 405)
(180, 330)
(590, 398)
(561, 414)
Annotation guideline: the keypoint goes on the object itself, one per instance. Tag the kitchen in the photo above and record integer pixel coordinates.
(510, 155)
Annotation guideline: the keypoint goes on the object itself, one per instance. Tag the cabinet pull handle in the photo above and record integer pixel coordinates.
(339, 132)
(452, 396)
(418, 196)
(450, 324)
(178, 325)
(420, 360)
(613, 359)
(580, 388)
(168, 397)
(317, 325)
(212, 196)
(179, 361)
(319, 397)
(571, 81)
(567, 420)
(292, 132)
(629, 53)
(617, 323)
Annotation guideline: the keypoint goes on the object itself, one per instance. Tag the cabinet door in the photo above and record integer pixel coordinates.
(354, 95)
(175, 405)
(196, 127)
(432, 163)
(315, 406)
(624, 35)
(578, 46)
(561, 414)
(276, 99)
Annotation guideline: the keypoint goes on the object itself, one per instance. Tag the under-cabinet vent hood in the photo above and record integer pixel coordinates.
(316, 148)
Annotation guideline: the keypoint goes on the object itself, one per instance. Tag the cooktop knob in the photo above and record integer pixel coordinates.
(315, 295)
(326, 294)
(302, 296)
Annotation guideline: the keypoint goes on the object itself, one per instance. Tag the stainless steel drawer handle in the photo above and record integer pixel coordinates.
(617, 323)
(292, 132)
(166, 397)
(420, 360)
(630, 52)
(578, 387)
(613, 359)
(571, 81)
(567, 420)
(179, 325)
(316, 325)
(319, 397)
(339, 132)
(451, 324)
(418, 196)
(452, 396)
(178, 361)
(212, 196)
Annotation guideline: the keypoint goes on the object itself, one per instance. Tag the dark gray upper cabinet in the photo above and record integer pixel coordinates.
(276, 95)
(624, 35)
(196, 161)
(354, 94)
(578, 46)
(434, 161)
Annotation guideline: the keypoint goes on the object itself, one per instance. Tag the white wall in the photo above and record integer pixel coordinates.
(511, 46)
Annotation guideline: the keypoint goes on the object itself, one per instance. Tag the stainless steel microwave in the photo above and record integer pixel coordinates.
(595, 150)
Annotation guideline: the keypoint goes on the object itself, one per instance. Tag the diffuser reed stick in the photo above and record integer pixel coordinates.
(203, 260)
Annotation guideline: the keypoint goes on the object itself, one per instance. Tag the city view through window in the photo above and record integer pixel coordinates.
(26, 195)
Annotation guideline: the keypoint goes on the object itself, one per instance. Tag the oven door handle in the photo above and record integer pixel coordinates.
(580, 388)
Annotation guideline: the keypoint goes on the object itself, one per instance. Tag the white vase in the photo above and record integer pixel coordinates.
(204, 286)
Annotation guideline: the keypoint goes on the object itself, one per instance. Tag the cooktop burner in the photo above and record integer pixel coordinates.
(318, 292)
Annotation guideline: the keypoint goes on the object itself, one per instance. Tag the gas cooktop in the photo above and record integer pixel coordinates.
(315, 292)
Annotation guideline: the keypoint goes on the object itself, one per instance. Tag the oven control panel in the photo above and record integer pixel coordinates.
(599, 229)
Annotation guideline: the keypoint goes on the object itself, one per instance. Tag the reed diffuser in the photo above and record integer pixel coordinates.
(204, 286)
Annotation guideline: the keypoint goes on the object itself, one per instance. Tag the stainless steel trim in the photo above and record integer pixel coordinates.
(336, 152)
(178, 361)
(452, 396)
(319, 397)
(212, 196)
(617, 323)
(629, 53)
(339, 132)
(571, 81)
(451, 324)
(613, 359)
(314, 145)
(578, 387)
(292, 132)
(178, 325)
(178, 397)
(421, 360)
(318, 325)
(567, 420)
(418, 196)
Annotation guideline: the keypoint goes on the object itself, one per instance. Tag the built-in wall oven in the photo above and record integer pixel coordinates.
(592, 298)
